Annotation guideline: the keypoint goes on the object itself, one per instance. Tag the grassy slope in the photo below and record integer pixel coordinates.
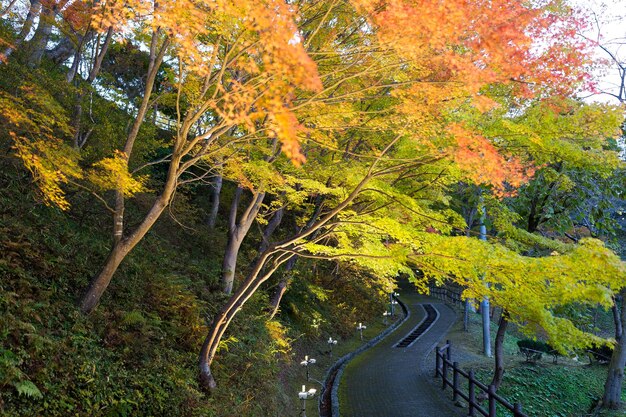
(136, 355)
(137, 352)
(569, 388)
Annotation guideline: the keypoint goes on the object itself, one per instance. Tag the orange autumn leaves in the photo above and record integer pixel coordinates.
(463, 46)
(253, 53)
(249, 50)
(481, 162)
(484, 41)
(468, 43)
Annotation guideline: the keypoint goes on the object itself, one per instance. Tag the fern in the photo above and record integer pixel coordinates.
(28, 389)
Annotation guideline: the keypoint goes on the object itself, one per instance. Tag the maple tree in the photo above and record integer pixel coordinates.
(344, 217)
(354, 116)
(610, 46)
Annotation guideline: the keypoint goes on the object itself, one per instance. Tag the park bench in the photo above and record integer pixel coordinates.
(533, 350)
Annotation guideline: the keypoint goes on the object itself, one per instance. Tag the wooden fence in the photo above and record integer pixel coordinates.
(445, 294)
(443, 364)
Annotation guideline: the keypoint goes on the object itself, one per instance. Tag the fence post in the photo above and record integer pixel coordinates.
(444, 377)
(449, 350)
(517, 410)
(437, 362)
(455, 381)
(492, 400)
(472, 394)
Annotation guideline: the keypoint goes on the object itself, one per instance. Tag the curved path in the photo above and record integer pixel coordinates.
(394, 381)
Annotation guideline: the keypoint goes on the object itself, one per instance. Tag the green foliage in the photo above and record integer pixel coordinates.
(28, 389)
(602, 353)
(551, 390)
(537, 345)
(136, 355)
(11, 374)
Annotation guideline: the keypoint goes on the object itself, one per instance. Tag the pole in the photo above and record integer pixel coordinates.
(491, 392)
(455, 381)
(484, 305)
(472, 394)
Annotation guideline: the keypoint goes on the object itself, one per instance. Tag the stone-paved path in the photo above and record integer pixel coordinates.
(391, 382)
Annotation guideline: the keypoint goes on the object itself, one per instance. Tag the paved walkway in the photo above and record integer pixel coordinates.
(386, 381)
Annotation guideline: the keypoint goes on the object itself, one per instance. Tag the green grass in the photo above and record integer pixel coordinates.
(546, 389)
(567, 389)
(137, 353)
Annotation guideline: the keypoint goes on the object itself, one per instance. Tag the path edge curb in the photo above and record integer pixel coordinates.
(338, 367)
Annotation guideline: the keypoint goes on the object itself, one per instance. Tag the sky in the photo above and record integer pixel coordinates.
(607, 20)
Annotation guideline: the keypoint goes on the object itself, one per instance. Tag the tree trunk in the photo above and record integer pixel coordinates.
(216, 190)
(33, 11)
(273, 224)
(40, 39)
(80, 137)
(236, 233)
(122, 247)
(291, 263)
(221, 322)
(499, 348)
(97, 64)
(615, 377)
(229, 264)
(277, 297)
(101, 281)
(62, 51)
(484, 304)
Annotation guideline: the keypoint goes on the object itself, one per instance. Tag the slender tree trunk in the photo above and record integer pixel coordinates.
(237, 231)
(468, 305)
(273, 224)
(291, 263)
(33, 11)
(277, 297)
(80, 137)
(220, 323)
(499, 348)
(77, 117)
(97, 64)
(615, 377)
(216, 190)
(484, 304)
(122, 246)
(40, 39)
(229, 264)
(8, 8)
(100, 282)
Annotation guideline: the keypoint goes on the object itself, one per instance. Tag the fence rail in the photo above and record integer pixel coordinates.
(446, 294)
(443, 364)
